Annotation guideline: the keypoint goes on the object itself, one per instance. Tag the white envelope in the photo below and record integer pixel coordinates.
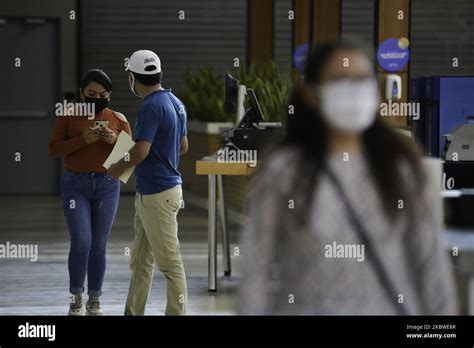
(122, 146)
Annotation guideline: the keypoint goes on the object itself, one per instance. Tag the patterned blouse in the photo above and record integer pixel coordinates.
(321, 267)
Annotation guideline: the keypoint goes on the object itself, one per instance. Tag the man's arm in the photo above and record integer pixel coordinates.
(184, 145)
(136, 155)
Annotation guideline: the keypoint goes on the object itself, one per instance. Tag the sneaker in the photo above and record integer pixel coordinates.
(76, 306)
(93, 306)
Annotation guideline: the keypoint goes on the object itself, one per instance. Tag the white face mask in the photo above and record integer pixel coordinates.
(131, 82)
(349, 105)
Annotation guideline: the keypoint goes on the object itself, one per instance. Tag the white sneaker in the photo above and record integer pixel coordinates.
(93, 306)
(76, 305)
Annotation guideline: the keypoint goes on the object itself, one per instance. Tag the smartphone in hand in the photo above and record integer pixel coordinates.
(100, 124)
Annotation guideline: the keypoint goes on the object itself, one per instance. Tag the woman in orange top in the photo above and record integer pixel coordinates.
(89, 196)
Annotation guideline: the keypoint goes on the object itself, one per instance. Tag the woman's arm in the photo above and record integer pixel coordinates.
(126, 128)
(430, 261)
(60, 146)
(259, 288)
(124, 125)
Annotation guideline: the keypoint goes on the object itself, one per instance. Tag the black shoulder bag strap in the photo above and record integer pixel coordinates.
(372, 255)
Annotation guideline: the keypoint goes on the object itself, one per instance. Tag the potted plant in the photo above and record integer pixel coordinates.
(203, 95)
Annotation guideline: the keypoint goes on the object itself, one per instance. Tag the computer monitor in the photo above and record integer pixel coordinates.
(254, 114)
(231, 94)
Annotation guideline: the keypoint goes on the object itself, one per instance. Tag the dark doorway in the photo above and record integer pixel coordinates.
(29, 60)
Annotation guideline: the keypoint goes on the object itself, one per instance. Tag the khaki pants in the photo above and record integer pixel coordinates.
(156, 239)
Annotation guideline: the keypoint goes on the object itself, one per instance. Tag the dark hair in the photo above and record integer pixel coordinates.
(97, 75)
(148, 80)
(384, 148)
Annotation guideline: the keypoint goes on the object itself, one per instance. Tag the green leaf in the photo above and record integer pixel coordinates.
(204, 92)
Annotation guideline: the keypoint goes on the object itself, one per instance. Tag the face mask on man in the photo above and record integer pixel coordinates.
(99, 103)
(131, 82)
(349, 105)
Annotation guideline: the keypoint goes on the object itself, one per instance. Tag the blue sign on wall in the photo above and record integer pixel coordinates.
(393, 54)
(299, 57)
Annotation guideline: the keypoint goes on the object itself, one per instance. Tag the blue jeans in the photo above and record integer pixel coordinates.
(90, 201)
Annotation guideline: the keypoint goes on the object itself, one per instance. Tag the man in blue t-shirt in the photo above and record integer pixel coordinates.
(160, 136)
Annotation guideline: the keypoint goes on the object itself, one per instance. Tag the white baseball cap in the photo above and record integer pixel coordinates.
(144, 62)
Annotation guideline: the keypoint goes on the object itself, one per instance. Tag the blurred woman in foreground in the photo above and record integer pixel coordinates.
(350, 227)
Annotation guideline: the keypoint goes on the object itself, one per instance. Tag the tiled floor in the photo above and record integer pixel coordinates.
(41, 288)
